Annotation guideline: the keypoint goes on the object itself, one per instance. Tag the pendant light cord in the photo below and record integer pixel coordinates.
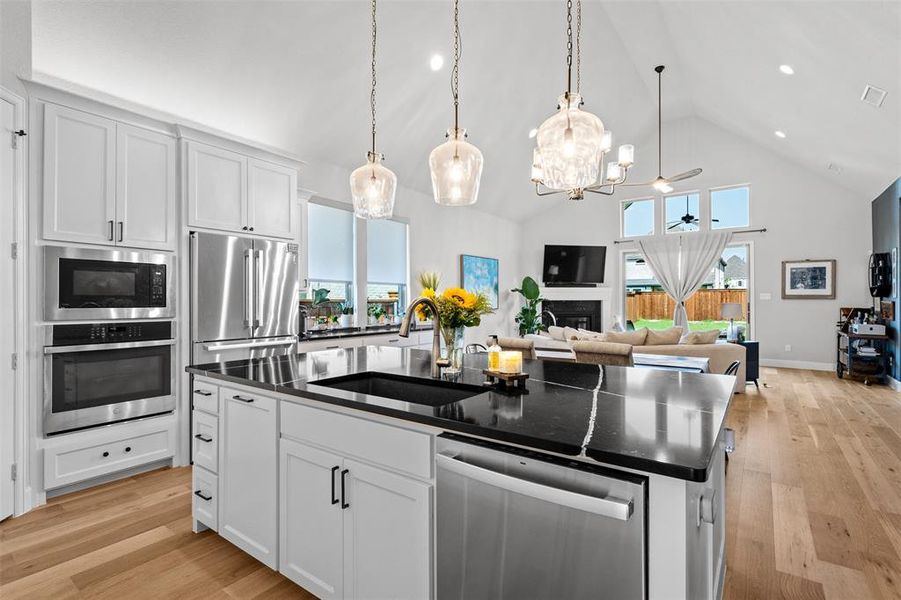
(372, 92)
(455, 75)
(579, 47)
(659, 121)
(569, 48)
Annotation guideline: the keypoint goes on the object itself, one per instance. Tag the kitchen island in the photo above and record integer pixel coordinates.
(325, 465)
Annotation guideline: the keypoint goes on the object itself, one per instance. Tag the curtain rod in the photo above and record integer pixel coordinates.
(761, 230)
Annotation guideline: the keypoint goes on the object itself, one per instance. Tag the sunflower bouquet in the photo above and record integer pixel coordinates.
(457, 307)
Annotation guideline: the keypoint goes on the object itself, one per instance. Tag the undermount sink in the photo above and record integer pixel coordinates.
(430, 392)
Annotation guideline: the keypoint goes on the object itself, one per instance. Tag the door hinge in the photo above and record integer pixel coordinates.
(15, 137)
(14, 250)
(13, 471)
(14, 362)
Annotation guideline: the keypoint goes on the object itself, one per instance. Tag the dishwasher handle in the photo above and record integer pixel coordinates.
(615, 508)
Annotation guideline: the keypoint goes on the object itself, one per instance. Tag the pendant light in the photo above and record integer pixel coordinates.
(373, 185)
(572, 143)
(456, 165)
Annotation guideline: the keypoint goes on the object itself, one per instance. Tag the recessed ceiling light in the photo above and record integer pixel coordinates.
(532, 133)
(436, 62)
(787, 69)
(779, 134)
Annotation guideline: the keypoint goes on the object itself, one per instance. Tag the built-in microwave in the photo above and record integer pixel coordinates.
(82, 284)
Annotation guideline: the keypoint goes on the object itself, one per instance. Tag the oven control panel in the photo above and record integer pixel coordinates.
(111, 333)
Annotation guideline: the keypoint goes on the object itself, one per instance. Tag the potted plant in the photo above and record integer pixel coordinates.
(376, 313)
(345, 314)
(529, 318)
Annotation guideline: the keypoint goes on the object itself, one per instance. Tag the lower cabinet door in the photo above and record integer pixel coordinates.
(311, 545)
(387, 535)
(248, 473)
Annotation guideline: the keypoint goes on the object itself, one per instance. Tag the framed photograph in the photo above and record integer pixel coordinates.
(479, 274)
(808, 279)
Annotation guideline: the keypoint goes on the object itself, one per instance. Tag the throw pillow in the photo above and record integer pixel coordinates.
(555, 332)
(570, 334)
(663, 337)
(700, 337)
(594, 336)
(633, 338)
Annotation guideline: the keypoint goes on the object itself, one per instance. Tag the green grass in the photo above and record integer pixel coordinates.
(692, 325)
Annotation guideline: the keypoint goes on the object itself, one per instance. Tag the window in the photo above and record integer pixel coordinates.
(730, 207)
(386, 267)
(647, 305)
(638, 217)
(331, 249)
(682, 212)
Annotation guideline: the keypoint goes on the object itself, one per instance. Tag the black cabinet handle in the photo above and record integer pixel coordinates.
(202, 496)
(251, 228)
(105, 454)
(128, 448)
(244, 228)
(110, 235)
(344, 504)
(121, 229)
(203, 393)
(242, 399)
(334, 470)
(202, 438)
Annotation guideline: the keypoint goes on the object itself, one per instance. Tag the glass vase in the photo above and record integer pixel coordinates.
(453, 348)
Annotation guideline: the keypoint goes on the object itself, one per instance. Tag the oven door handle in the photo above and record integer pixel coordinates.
(268, 343)
(97, 347)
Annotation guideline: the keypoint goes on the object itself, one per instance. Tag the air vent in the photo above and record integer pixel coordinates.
(873, 95)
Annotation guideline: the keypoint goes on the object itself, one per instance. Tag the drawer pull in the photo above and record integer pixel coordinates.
(334, 470)
(202, 496)
(105, 454)
(344, 504)
(203, 438)
(203, 393)
(242, 399)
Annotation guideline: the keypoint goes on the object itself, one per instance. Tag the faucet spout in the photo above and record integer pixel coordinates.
(437, 361)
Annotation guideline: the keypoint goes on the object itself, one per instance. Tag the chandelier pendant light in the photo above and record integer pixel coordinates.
(373, 185)
(456, 165)
(660, 183)
(572, 144)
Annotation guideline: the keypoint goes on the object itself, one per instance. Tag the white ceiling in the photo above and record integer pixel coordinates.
(295, 75)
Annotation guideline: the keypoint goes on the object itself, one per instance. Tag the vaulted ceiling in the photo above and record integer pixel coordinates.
(295, 75)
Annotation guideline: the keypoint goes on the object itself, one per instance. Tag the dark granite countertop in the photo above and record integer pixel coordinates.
(662, 422)
(346, 332)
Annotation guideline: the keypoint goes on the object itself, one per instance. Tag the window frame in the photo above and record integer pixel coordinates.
(721, 188)
(622, 216)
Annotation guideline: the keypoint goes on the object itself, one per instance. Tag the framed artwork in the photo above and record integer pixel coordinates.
(808, 279)
(894, 272)
(479, 274)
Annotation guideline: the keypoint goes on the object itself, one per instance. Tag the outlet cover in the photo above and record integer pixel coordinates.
(788, 347)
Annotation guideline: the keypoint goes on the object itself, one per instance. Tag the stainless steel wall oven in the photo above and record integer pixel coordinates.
(96, 374)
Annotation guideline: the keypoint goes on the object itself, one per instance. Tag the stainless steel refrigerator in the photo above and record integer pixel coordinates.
(243, 297)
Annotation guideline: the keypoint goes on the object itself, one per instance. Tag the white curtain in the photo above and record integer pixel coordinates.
(681, 263)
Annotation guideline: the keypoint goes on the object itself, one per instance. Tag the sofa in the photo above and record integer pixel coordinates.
(720, 354)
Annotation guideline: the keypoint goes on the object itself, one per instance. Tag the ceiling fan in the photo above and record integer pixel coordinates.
(686, 219)
(661, 183)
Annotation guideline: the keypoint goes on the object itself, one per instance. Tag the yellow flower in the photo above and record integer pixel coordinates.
(460, 296)
(429, 293)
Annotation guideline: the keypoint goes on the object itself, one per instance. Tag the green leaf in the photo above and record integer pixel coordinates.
(530, 288)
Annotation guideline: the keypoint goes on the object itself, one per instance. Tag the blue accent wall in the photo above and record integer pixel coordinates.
(886, 210)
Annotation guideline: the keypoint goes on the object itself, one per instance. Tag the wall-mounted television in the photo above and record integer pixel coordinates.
(574, 265)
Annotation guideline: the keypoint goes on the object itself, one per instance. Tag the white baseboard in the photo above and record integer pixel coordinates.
(797, 364)
(894, 383)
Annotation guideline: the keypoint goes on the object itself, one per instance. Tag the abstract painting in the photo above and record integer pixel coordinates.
(480, 274)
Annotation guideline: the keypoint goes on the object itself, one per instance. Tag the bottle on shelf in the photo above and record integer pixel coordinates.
(494, 354)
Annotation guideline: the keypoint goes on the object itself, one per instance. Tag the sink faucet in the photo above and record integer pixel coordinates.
(437, 361)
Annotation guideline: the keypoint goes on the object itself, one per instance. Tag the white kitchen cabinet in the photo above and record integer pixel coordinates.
(311, 551)
(145, 188)
(387, 534)
(248, 473)
(232, 192)
(272, 199)
(79, 176)
(106, 182)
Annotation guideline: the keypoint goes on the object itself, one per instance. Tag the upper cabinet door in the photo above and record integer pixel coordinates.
(272, 199)
(146, 189)
(79, 176)
(217, 188)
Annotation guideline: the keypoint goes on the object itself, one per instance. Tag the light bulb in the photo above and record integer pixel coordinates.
(614, 172)
(607, 141)
(663, 186)
(626, 155)
(569, 147)
(456, 193)
(456, 170)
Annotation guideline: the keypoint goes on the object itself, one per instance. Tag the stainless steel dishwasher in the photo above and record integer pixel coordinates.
(517, 524)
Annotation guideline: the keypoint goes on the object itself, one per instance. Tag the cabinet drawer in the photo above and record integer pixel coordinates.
(399, 449)
(205, 397)
(73, 463)
(205, 498)
(205, 441)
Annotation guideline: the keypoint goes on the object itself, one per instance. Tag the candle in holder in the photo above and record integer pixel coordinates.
(510, 362)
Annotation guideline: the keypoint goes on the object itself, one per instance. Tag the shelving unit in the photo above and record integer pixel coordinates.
(852, 361)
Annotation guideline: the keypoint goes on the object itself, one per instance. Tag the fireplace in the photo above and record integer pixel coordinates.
(578, 314)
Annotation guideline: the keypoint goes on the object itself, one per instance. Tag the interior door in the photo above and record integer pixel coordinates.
(311, 543)
(221, 285)
(276, 308)
(8, 186)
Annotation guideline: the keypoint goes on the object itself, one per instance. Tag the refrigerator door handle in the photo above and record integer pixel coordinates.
(264, 343)
(248, 288)
(258, 290)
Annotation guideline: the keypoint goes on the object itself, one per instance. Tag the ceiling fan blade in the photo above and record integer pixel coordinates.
(685, 175)
(674, 225)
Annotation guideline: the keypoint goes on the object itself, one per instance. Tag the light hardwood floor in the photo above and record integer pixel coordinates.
(813, 511)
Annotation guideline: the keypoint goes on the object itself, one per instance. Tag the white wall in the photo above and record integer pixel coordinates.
(438, 236)
(806, 214)
(15, 44)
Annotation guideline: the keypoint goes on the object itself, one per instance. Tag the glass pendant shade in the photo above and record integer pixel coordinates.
(570, 143)
(537, 171)
(614, 172)
(456, 167)
(373, 186)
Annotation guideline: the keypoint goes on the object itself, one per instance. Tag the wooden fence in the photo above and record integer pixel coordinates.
(703, 306)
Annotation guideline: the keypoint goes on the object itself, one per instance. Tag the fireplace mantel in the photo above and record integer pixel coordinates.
(602, 293)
